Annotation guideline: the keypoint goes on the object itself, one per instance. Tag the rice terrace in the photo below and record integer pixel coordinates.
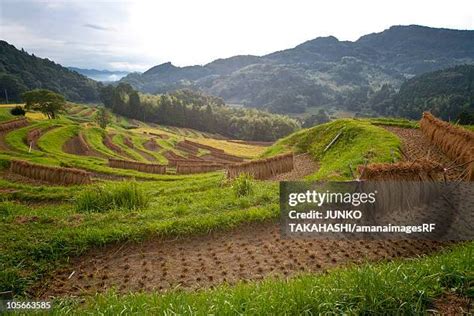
(152, 210)
(141, 174)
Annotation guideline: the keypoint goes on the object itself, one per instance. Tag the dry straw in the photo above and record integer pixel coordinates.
(456, 142)
(139, 166)
(54, 175)
(9, 125)
(422, 170)
(263, 168)
(186, 168)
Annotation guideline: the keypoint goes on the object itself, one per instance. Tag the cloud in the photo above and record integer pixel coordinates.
(98, 27)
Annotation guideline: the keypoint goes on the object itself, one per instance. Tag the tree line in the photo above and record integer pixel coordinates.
(190, 109)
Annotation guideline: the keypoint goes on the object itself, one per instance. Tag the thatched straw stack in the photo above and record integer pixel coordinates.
(54, 175)
(139, 166)
(9, 125)
(423, 170)
(185, 168)
(263, 168)
(456, 142)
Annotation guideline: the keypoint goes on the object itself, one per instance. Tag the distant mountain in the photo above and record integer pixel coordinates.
(20, 71)
(101, 75)
(323, 72)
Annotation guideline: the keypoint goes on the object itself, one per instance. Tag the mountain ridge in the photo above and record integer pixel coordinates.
(320, 72)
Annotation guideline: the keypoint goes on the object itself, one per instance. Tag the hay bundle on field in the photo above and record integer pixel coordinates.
(186, 168)
(456, 142)
(422, 170)
(263, 168)
(54, 175)
(139, 166)
(12, 124)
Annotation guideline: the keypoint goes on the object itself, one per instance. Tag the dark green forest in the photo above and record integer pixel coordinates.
(447, 93)
(186, 108)
(20, 72)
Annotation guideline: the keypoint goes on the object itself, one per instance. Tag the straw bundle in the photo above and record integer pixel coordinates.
(55, 175)
(186, 168)
(401, 171)
(263, 168)
(139, 166)
(456, 142)
(9, 125)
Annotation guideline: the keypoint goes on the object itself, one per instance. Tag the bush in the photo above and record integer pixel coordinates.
(243, 185)
(17, 110)
(123, 196)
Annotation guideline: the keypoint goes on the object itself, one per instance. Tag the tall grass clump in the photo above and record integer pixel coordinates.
(243, 185)
(122, 196)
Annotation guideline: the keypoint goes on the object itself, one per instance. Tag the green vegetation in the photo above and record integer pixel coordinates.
(358, 142)
(20, 72)
(102, 118)
(44, 101)
(401, 287)
(243, 185)
(447, 93)
(17, 111)
(121, 196)
(185, 108)
(5, 114)
(36, 240)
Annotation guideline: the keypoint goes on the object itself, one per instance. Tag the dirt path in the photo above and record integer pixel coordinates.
(249, 252)
(417, 146)
(303, 166)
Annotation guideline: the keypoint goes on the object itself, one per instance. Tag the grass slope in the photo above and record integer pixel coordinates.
(359, 141)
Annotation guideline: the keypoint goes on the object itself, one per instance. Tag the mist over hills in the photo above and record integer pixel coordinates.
(101, 75)
(323, 72)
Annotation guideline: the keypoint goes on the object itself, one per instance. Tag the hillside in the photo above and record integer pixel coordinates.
(20, 71)
(323, 72)
(446, 93)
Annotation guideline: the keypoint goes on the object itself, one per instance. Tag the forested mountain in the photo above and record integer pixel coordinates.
(20, 71)
(186, 108)
(446, 93)
(321, 72)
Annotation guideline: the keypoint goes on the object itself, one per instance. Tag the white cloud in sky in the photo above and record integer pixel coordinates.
(135, 35)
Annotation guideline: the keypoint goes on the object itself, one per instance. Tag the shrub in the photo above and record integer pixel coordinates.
(17, 110)
(123, 196)
(243, 185)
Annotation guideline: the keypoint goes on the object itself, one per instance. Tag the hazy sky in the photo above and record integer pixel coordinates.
(135, 35)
